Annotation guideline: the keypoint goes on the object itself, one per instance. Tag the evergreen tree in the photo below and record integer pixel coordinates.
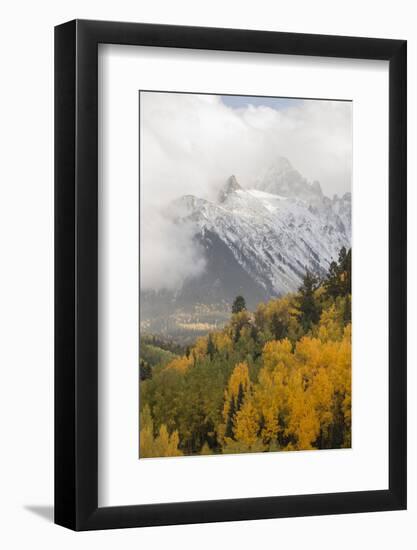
(309, 308)
(348, 271)
(254, 332)
(145, 370)
(347, 310)
(230, 416)
(332, 282)
(339, 278)
(278, 328)
(236, 334)
(239, 304)
(239, 397)
(211, 348)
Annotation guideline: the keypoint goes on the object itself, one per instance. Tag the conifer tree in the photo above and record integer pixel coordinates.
(348, 270)
(145, 370)
(332, 282)
(278, 327)
(211, 348)
(230, 417)
(239, 397)
(309, 309)
(339, 277)
(347, 310)
(239, 304)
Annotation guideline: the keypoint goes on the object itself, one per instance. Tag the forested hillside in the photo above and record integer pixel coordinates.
(275, 379)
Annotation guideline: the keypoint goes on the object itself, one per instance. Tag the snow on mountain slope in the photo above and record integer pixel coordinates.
(274, 235)
(257, 242)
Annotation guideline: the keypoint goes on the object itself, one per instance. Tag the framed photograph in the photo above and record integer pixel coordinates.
(230, 254)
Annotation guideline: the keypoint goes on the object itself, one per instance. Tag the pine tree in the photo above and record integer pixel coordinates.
(236, 334)
(339, 278)
(230, 416)
(279, 330)
(348, 271)
(239, 304)
(211, 348)
(145, 370)
(332, 282)
(239, 397)
(254, 332)
(347, 310)
(309, 308)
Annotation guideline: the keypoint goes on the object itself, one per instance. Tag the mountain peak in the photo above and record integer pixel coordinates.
(269, 235)
(282, 179)
(281, 164)
(230, 186)
(315, 186)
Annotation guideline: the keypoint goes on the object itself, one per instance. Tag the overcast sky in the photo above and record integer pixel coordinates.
(191, 143)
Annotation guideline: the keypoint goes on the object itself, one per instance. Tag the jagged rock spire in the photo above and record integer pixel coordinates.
(230, 186)
(282, 179)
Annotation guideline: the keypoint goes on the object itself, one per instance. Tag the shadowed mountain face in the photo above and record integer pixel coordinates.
(256, 242)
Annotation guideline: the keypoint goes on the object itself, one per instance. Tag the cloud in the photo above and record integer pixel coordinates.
(169, 255)
(190, 144)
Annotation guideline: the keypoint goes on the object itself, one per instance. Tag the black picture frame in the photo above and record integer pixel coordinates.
(76, 272)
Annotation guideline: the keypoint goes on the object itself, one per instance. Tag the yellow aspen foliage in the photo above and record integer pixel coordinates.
(247, 423)
(301, 396)
(347, 406)
(279, 305)
(275, 380)
(238, 378)
(322, 392)
(283, 307)
(309, 351)
(345, 374)
(199, 349)
(146, 447)
(162, 441)
(146, 440)
(283, 310)
(278, 352)
(222, 341)
(205, 450)
(270, 428)
(173, 442)
(261, 314)
(240, 320)
(303, 421)
(269, 397)
(330, 326)
(180, 364)
(235, 447)
(163, 445)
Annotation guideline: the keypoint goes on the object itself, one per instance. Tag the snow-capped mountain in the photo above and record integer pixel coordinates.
(259, 242)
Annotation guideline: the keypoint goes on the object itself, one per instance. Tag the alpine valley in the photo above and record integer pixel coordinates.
(256, 242)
